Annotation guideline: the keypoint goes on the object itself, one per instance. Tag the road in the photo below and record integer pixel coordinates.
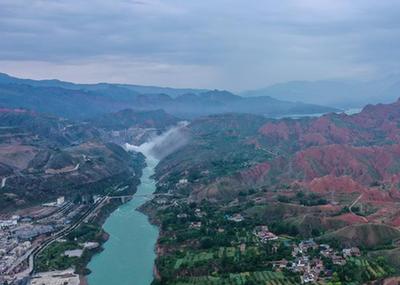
(63, 233)
(355, 203)
(85, 217)
(3, 182)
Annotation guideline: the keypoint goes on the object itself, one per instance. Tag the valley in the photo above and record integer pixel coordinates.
(149, 142)
(239, 198)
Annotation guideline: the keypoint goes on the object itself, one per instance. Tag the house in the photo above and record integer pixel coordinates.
(8, 223)
(91, 245)
(324, 246)
(195, 225)
(198, 213)
(338, 260)
(60, 201)
(296, 251)
(348, 252)
(326, 251)
(280, 264)
(308, 278)
(264, 234)
(305, 245)
(268, 236)
(317, 266)
(355, 251)
(301, 264)
(73, 253)
(237, 218)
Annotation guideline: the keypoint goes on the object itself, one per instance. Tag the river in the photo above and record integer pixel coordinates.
(128, 255)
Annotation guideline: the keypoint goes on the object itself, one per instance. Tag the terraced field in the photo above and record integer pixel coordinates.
(259, 277)
(192, 258)
(372, 270)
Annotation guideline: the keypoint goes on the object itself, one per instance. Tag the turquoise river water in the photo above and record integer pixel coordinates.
(128, 256)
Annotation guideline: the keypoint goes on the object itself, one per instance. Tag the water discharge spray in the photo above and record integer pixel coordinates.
(162, 145)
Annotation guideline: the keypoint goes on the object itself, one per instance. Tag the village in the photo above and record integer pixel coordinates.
(309, 259)
(307, 255)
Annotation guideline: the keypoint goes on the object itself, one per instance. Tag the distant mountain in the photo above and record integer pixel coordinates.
(82, 101)
(337, 93)
(114, 88)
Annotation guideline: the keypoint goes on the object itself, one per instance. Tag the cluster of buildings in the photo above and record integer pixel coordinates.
(20, 236)
(30, 231)
(4, 224)
(12, 248)
(309, 268)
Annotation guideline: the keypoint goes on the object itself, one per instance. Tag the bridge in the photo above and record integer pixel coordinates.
(140, 195)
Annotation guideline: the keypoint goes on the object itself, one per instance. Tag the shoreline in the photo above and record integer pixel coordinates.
(144, 209)
(103, 216)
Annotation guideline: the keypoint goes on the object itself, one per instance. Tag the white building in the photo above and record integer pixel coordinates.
(8, 223)
(60, 200)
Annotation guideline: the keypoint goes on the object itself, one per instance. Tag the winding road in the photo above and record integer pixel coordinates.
(355, 203)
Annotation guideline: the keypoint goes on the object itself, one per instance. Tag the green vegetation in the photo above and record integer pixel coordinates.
(244, 278)
(368, 236)
(390, 256)
(220, 251)
(53, 258)
(361, 270)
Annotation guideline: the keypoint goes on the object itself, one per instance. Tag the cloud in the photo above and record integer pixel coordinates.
(229, 44)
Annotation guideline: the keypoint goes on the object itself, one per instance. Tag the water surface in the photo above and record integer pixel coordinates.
(128, 255)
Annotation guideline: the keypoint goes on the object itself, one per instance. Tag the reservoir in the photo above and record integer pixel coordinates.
(128, 255)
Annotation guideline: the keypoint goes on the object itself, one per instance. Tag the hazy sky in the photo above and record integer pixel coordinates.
(228, 44)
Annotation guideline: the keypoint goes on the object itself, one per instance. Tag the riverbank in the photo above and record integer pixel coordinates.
(104, 213)
(90, 236)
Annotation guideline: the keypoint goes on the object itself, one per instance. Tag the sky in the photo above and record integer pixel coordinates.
(222, 44)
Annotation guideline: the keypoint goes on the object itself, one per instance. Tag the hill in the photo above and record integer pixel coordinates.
(345, 165)
(366, 235)
(44, 156)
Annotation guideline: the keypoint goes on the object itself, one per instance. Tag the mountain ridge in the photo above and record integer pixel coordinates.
(77, 101)
(335, 92)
